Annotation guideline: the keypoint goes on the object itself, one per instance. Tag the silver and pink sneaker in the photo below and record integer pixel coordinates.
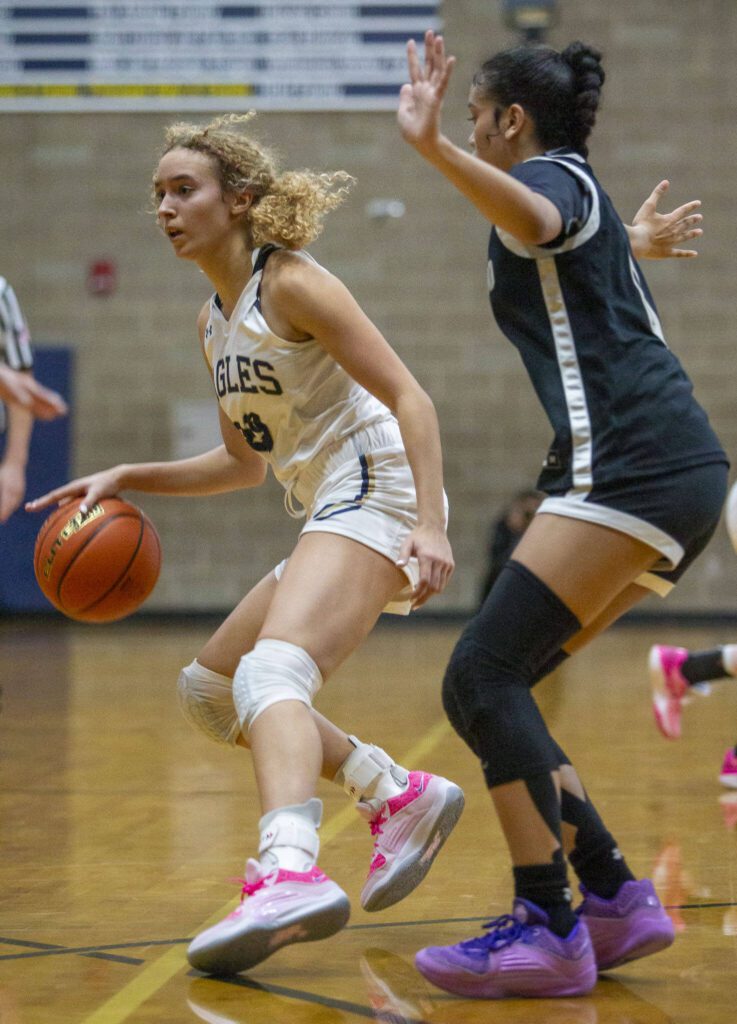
(517, 956)
(276, 909)
(728, 774)
(669, 688)
(631, 925)
(410, 829)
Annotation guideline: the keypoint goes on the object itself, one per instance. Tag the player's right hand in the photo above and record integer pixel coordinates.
(421, 98)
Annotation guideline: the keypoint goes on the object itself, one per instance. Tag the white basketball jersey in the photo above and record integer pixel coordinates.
(289, 399)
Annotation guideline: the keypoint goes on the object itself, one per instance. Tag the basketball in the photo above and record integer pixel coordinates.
(99, 565)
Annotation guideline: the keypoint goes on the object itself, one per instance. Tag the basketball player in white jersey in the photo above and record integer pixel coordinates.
(306, 384)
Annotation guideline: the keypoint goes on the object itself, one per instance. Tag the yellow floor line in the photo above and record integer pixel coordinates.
(152, 978)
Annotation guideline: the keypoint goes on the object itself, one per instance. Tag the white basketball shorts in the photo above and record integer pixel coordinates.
(363, 489)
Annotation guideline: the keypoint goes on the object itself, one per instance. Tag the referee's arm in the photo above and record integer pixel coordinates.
(15, 349)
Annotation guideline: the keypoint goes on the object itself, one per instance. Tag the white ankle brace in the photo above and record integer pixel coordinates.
(365, 768)
(289, 835)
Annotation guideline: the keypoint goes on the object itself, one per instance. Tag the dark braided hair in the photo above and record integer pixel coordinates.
(560, 91)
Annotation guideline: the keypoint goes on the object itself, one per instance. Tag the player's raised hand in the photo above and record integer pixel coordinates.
(91, 489)
(421, 99)
(659, 235)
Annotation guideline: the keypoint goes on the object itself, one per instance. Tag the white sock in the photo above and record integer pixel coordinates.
(289, 837)
(729, 658)
(368, 773)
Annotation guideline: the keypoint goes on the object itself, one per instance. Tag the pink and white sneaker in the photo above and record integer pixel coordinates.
(669, 688)
(410, 829)
(728, 774)
(276, 909)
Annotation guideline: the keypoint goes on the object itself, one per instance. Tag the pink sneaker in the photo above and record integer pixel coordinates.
(669, 688)
(518, 956)
(410, 829)
(728, 776)
(275, 910)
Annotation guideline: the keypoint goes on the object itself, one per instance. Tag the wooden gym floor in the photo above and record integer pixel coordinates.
(122, 828)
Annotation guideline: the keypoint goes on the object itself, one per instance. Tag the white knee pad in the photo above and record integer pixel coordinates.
(272, 672)
(731, 515)
(206, 701)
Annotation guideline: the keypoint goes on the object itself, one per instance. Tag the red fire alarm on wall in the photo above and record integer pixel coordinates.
(102, 277)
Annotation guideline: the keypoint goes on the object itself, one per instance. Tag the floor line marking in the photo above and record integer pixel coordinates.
(299, 995)
(377, 925)
(152, 978)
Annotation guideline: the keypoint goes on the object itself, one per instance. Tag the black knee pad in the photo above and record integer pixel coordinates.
(486, 689)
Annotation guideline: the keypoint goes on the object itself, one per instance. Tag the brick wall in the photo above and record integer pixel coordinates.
(75, 189)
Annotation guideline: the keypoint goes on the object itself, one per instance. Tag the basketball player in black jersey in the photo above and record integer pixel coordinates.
(635, 481)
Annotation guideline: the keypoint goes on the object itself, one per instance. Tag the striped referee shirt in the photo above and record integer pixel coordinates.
(15, 338)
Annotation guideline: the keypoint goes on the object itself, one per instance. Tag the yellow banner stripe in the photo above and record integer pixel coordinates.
(133, 89)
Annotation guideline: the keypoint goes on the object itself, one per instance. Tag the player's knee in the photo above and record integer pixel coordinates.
(519, 627)
(206, 701)
(460, 689)
(273, 671)
(495, 714)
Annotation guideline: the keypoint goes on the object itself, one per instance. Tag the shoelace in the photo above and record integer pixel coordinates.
(500, 932)
(249, 888)
(376, 823)
(376, 830)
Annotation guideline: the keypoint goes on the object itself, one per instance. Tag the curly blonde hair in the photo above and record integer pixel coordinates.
(288, 208)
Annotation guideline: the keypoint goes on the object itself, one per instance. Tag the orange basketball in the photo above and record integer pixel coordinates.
(99, 565)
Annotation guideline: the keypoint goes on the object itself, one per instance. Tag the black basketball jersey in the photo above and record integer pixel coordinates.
(582, 317)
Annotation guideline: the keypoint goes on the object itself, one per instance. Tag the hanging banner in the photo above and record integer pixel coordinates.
(190, 55)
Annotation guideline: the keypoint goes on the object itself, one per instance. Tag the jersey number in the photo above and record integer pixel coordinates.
(255, 432)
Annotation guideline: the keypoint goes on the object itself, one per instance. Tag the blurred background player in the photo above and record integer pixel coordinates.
(676, 672)
(506, 531)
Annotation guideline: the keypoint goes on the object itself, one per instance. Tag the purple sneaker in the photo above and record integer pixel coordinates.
(518, 956)
(632, 925)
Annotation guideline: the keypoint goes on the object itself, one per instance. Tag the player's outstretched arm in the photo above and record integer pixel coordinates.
(213, 472)
(509, 204)
(92, 488)
(657, 236)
